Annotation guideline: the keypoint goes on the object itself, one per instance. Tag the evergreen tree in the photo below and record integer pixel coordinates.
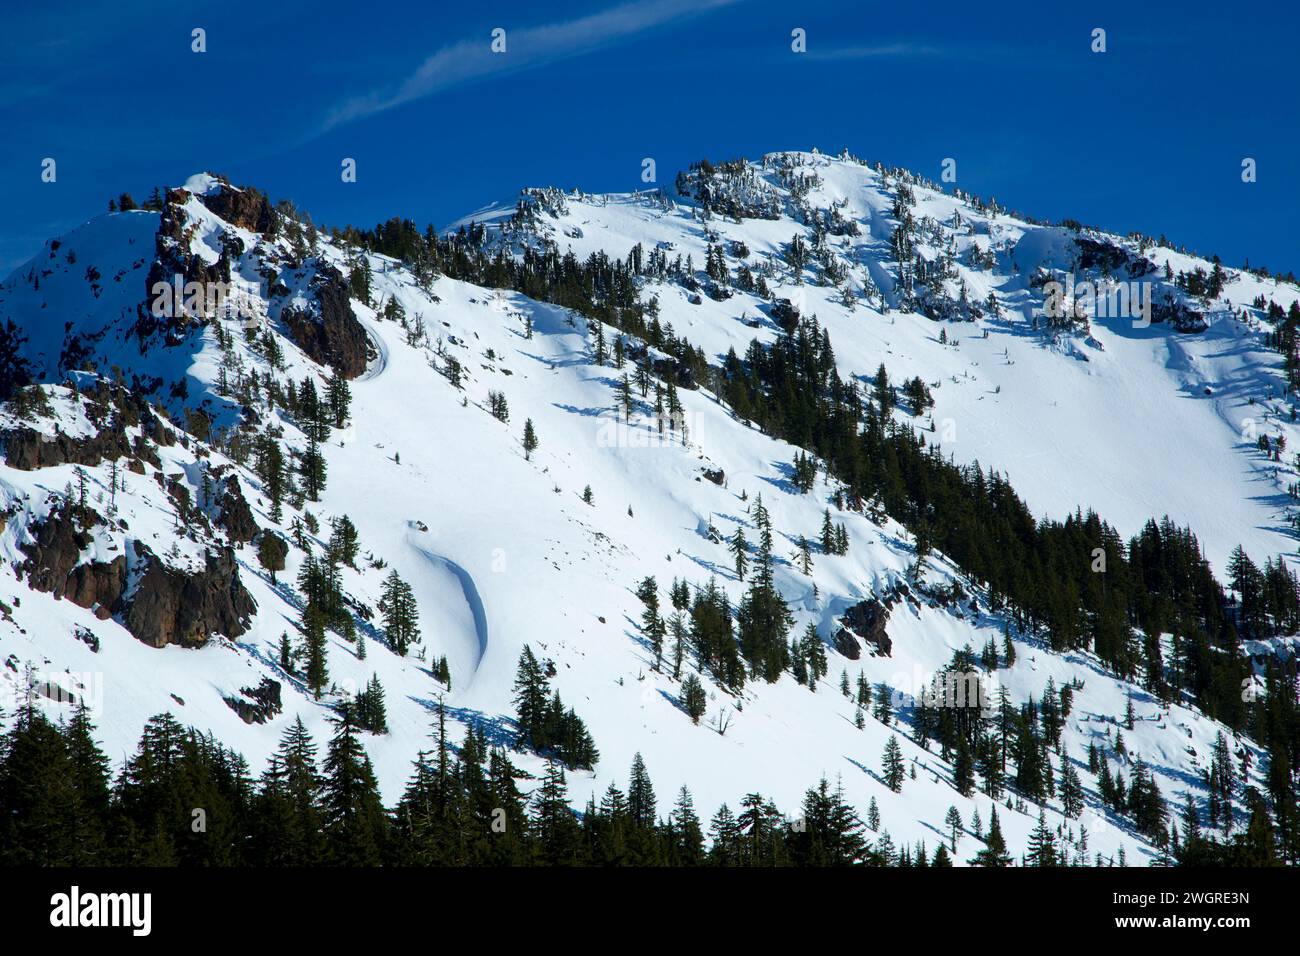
(316, 669)
(353, 816)
(1042, 844)
(693, 699)
(530, 439)
(892, 768)
(401, 614)
(641, 796)
(994, 853)
(740, 550)
(952, 820)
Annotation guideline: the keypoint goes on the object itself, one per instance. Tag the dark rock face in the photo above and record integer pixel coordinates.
(167, 606)
(236, 517)
(258, 704)
(247, 208)
(173, 263)
(52, 565)
(867, 619)
(27, 449)
(111, 410)
(172, 607)
(1106, 255)
(847, 644)
(717, 476)
(334, 337)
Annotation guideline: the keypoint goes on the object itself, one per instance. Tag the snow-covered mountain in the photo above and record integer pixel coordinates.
(140, 521)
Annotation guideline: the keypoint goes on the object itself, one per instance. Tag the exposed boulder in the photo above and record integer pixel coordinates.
(166, 605)
(867, 619)
(28, 449)
(169, 606)
(244, 207)
(330, 334)
(847, 644)
(54, 565)
(175, 266)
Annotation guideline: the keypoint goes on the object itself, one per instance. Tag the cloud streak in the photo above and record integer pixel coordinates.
(876, 52)
(527, 48)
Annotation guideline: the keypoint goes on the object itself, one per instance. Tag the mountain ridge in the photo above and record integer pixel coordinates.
(663, 482)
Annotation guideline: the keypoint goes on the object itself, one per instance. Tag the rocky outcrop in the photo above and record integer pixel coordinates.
(247, 208)
(847, 644)
(330, 334)
(166, 605)
(169, 606)
(53, 564)
(28, 449)
(867, 620)
(112, 410)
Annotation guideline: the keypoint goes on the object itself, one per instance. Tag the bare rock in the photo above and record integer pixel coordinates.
(170, 606)
(330, 333)
(867, 620)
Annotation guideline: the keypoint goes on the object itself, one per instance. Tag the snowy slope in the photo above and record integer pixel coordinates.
(503, 551)
(1117, 418)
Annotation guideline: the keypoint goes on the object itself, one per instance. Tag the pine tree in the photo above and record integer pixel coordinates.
(884, 704)
(652, 624)
(401, 614)
(271, 552)
(316, 670)
(368, 709)
(953, 822)
(641, 795)
(1071, 788)
(530, 439)
(684, 831)
(557, 831)
(338, 398)
(354, 817)
(892, 768)
(312, 468)
(344, 543)
(994, 853)
(290, 803)
(693, 699)
(1042, 844)
(740, 549)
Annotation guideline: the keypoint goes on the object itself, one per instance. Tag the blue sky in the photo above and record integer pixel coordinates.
(1149, 135)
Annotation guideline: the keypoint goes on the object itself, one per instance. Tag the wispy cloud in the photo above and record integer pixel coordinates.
(876, 52)
(526, 48)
